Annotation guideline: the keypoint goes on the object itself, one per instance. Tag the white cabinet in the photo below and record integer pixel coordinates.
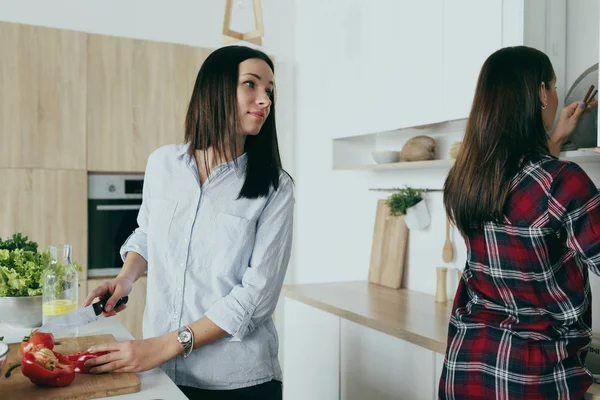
(326, 357)
(472, 30)
(311, 353)
(439, 364)
(375, 365)
(385, 70)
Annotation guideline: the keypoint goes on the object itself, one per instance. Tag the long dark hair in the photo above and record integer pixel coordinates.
(212, 119)
(504, 128)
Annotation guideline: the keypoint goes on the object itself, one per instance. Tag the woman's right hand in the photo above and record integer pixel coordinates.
(118, 287)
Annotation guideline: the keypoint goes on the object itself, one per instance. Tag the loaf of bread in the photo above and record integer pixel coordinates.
(418, 148)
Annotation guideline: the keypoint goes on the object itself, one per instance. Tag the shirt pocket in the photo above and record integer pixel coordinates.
(160, 223)
(234, 238)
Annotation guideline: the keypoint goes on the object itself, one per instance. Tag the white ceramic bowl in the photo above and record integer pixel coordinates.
(385, 156)
(3, 356)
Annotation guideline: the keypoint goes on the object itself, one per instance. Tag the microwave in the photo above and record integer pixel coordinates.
(114, 202)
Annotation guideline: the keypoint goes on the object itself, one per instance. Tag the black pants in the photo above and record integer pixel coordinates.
(265, 391)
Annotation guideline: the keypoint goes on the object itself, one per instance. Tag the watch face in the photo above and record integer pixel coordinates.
(185, 336)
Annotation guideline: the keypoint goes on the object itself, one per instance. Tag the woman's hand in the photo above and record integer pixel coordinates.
(134, 355)
(567, 122)
(118, 287)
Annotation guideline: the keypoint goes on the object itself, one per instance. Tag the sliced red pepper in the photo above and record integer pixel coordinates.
(36, 338)
(47, 368)
(78, 360)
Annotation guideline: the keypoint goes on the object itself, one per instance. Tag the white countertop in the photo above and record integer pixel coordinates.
(155, 383)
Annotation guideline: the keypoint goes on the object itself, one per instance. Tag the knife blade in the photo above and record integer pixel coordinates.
(81, 316)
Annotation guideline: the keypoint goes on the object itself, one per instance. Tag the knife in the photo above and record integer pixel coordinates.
(81, 316)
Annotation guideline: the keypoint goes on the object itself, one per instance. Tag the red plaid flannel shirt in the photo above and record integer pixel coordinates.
(521, 322)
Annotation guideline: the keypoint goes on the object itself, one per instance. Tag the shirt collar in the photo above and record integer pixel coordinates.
(241, 161)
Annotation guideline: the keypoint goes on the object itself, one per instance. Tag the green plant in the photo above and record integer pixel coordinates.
(403, 199)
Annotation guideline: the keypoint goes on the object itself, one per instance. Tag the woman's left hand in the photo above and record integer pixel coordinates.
(568, 119)
(131, 356)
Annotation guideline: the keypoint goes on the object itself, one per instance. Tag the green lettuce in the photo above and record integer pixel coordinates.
(22, 267)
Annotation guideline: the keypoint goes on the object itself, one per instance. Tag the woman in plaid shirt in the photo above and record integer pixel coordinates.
(521, 321)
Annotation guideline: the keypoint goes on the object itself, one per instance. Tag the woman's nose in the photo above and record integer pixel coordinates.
(264, 100)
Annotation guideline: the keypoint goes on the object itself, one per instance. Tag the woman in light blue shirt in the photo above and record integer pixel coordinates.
(214, 236)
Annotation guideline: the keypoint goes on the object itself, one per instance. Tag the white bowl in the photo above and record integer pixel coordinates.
(3, 356)
(385, 157)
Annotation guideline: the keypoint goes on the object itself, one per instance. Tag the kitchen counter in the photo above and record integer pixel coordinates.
(408, 315)
(155, 383)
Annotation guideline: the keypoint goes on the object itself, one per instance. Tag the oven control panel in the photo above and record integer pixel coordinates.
(115, 186)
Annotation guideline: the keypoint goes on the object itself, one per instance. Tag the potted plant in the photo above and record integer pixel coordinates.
(409, 202)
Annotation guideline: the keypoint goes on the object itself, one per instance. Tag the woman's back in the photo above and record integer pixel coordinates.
(522, 315)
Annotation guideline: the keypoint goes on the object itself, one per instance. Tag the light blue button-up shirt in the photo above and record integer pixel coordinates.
(210, 254)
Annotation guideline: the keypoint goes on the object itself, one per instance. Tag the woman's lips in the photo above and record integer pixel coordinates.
(257, 115)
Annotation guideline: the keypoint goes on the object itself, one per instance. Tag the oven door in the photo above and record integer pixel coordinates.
(110, 222)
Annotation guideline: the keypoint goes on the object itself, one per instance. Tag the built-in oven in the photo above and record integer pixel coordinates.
(113, 205)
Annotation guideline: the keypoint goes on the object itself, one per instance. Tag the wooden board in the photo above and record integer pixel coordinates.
(85, 386)
(390, 238)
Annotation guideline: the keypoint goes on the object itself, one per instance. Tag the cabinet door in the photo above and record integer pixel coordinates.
(16, 203)
(132, 316)
(110, 121)
(472, 30)
(375, 365)
(138, 92)
(310, 353)
(59, 199)
(42, 97)
(400, 65)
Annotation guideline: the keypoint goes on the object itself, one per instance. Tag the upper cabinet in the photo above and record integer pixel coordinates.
(472, 30)
(138, 92)
(42, 97)
(384, 68)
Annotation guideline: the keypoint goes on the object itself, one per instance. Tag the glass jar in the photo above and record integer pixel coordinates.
(60, 286)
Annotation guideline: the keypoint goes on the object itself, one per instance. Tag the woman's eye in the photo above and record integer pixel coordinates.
(250, 84)
(270, 93)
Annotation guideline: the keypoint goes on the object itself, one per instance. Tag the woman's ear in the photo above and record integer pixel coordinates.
(543, 95)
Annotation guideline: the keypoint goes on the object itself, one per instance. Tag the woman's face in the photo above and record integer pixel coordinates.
(254, 94)
(550, 99)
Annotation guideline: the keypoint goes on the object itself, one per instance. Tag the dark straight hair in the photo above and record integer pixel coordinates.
(212, 119)
(504, 129)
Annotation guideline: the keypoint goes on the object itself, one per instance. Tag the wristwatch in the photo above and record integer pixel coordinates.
(185, 337)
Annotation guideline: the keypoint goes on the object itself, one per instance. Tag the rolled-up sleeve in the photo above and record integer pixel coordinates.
(253, 301)
(137, 241)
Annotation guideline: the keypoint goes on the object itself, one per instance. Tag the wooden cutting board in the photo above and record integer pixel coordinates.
(85, 386)
(388, 251)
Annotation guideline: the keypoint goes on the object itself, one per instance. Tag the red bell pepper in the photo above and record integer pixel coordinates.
(47, 368)
(78, 360)
(36, 338)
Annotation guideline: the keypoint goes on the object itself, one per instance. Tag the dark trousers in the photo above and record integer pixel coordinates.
(265, 391)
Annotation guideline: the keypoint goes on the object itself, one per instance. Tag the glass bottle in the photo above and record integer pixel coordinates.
(60, 287)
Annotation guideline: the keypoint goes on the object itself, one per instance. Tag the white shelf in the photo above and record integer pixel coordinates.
(354, 152)
(582, 155)
(399, 165)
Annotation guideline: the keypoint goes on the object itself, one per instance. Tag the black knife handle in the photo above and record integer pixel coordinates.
(99, 306)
